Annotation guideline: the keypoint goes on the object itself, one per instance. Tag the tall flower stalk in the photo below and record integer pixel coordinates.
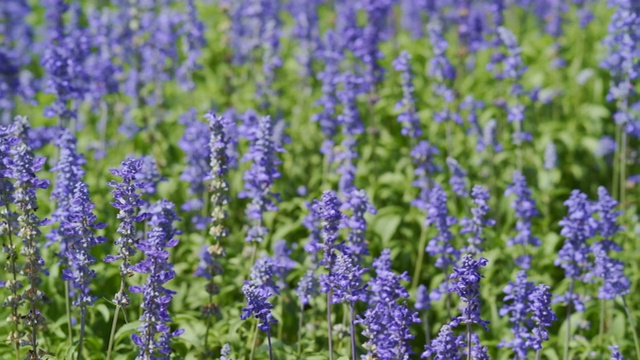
(25, 166)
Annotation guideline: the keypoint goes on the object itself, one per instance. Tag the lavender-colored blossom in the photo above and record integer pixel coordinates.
(308, 287)
(606, 146)
(329, 77)
(574, 256)
(127, 199)
(219, 163)
(550, 156)
(458, 179)
(105, 73)
(149, 176)
(413, 13)
(525, 210)
(154, 333)
(443, 72)
(367, 47)
(615, 353)
(489, 138)
(543, 316)
(358, 202)
(225, 352)
(441, 245)
(258, 306)
(466, 283)
(260, 177)
(423, 155)
(476, 224)
(345, 280)
(329, 210)
(518, 294)
(386, 321)
(423, 302)
(409, 115)
(446, 346)
(192, 44)
(307, 31)
(352, 126)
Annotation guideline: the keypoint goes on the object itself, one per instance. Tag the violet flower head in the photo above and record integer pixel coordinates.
(358, 202)
(550, 156)
(489, 138)
(219, 163)
(209, 264)
(423, 302)
(423, 155)
(312, 222)
(543, 316)
(154, 333)
(518, 294)
(307, 31)
(615, 353)
(329, 209)
(352, 126)
(329, 77)
(367, 48)
(192, 44)
(413, 13)
(443, 72)
(258, 306)
(409, 114)
(466, 283)
(441, 245)
(387, 322)
(260, 177)
(458, 179)
(127, 199)
(525, 210)
(345, 280)
(446, 346)
(149, 176)
(476, 224)
(308, 287)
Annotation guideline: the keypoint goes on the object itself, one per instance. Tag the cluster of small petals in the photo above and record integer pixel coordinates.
(518, 294)
(458, 178)
(193, 42)
(127, 199)
(423, 302)
(409, 115)
(258, 306)
(195, 144)
(352, 126)
(443, 72)
(387, 321)
(154, 333)
(329, 77)
(366, 49)
(345, 280)
(550, 156)
(423, 155)
(312, 222)
(440, 246)
(446, 346)
(332, 217)
(489, 138)
(358, 202)
(525, 210)
(476, 224)
(615, 353)
(307, 32)
(219, 163)
(543, 316)
(260, 177)
(149, 176)
(466, 283)
(308, 287)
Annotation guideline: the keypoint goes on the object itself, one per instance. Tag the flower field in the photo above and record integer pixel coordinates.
(319, 179)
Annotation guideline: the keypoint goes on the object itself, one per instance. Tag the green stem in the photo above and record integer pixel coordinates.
(568, 333)
(421, 251)
(83, 315)
(112, 336)
(616, 165)
(329, 329)
(269, 342)
(68, 309)
(623, 171)
(300, 318)
(253, 339)
(354, 353)
(206, 333)
(632, 323)
(425, 321)
(468, 341)
(602, 321)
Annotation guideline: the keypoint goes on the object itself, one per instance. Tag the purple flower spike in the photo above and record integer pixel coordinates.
(475, 225)
(466, 283)
(409, 115)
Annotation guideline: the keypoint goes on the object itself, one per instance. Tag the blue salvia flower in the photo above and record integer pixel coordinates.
(63, 61)
(308, 287)
(307, 31)
(622, 63)
(409, 115)
(550, 156)
(446, 346)
(258, 306)
(423, 155)
(458, 179)
(610, 270)
(442, 71)
(345, 280)
(260, 177)
(347, 26)
(154, 333)
(615, 353)
(372, 35)
(225, 352)
(489, 138)
(543, 316)
(271, 60)
(465, 281)
(192, 44)
(328, 102)
(525, 209)
(386, 321)
(358, 202)
(518, 294)
(577, 227)
(423, 302)
(15, 80)
(69, 173)
(351, 127)
(219, 164)
(149, 176)
(472, 106)
(105, 73)
(127, 199)
(282, 261)
(24, 168)
(476, 224)
(329, 210)
(413, 13)
(440, 246)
